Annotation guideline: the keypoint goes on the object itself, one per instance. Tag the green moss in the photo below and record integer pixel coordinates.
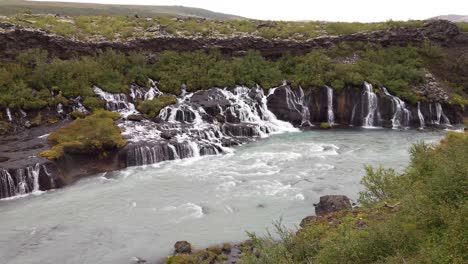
(325, 125)
(95, 134)
(151, 108)
(77, 114)
(93, 103)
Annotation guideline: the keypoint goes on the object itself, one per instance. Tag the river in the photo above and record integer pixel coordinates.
(143, 211)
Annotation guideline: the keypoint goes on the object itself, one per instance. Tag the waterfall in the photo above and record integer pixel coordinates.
(353, 113)
(137, 92)
(420, 116)
(7, 185)
(22, 181)
(60, 109)
(116, 102)
(401, 114)
(440, 115)
(77, 106)
(330, 115)
(202, 123)
(8, 114)
(369, 106)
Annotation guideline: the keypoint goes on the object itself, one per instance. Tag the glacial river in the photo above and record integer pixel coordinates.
(143, 211)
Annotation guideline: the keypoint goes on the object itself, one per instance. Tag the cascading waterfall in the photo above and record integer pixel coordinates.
(369, 103)
(420, 116)
(7, 185)
(195, 133)
(116, 102)
(330, 114)
(137, 92)
(22, 181)
(401, 114)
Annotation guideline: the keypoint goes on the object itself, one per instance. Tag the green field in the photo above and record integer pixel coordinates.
(10, 7)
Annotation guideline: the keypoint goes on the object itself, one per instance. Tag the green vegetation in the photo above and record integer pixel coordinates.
(27, 82)
(463, 26)
(325, 125)
(419, 216)
(95, 134)
(9, 7)
(95, 28)
(209, 255)
(151, 108)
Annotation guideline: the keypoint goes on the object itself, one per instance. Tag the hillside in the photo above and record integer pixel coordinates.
(9, 7)
(453, 18)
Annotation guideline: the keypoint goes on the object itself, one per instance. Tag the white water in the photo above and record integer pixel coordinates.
(116, 102)
(420, 117)
(330, 115)
(441, 117)
(8, 113)
(21, 182)
(143, 211)
(401, 114)
(369, 103)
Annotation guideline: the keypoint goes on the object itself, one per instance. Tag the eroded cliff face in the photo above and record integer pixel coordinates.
(16, 39)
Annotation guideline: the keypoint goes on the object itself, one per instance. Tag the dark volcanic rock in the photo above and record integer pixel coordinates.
(136, 118)
(15, 39)
(332, 203)
(307, 221)
(182, 247)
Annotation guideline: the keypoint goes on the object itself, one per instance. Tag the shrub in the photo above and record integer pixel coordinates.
(151, 108)
(93, 103)
(95, 134)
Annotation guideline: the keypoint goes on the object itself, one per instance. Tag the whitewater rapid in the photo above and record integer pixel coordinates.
(142, 211)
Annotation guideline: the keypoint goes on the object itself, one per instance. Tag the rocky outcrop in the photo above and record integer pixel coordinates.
(15, 39)
(182, 247)
(332, 203)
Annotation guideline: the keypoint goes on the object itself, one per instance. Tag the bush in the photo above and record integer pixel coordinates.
(93, 103)
(95, 134)
(151, 108)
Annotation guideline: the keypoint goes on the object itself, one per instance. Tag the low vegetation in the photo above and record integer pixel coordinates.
(419, 216)
(94, 134)
(28, 81)
(94, 28)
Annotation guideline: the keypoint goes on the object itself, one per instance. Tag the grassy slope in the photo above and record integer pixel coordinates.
(9, 7)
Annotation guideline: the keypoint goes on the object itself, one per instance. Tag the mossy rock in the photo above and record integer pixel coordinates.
(325, 125)
(151, 108)
(95, 134)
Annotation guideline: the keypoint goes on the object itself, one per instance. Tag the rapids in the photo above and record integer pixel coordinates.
(142, 211)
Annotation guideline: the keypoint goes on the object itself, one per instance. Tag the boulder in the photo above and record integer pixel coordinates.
(167, 135)
(136, 118)
(332, 203)
(307, 221)
(182, 247)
